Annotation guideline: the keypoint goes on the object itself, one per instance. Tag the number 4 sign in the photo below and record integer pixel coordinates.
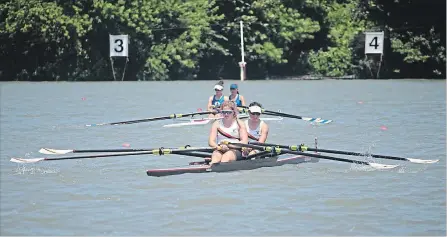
(119, 45)
(374, 42)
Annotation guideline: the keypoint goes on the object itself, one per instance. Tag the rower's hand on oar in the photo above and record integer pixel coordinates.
(246, 151)
(222, 148)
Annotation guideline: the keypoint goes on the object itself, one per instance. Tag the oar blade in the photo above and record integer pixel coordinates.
(26, 161)
(420, 161)
(317, 120)
(49, 151)
(382, 166)
(97, 124)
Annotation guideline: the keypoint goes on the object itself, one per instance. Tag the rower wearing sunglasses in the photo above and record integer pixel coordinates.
(215, 101)
(230, 129)
(256, 128)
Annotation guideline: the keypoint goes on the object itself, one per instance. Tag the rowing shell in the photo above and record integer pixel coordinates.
(205, 121)
(232, 166)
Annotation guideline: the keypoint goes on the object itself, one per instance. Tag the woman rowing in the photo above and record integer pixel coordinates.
(215, 101)
(256, 128)
(235, 96)
(230, 129)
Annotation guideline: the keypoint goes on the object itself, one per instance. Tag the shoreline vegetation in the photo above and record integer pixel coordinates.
(201, 40)
(286, 78)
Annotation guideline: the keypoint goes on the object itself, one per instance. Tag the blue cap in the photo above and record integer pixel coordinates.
(233, 86)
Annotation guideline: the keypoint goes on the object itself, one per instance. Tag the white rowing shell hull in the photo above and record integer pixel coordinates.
(191, 123)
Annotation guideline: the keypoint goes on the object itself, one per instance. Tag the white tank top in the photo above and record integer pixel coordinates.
(233, 131)
(255, 132)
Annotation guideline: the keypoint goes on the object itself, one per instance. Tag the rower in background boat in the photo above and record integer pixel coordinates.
(215, 101)
(235, 96)
(231, 126)
(256, 128)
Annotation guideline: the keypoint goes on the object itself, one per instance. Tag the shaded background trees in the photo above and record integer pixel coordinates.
(178, 40)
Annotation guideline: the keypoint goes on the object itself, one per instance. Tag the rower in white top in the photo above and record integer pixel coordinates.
(215, 101)
(230, 129)
(256, 128)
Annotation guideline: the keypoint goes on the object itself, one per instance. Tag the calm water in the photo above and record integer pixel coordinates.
(114, 196)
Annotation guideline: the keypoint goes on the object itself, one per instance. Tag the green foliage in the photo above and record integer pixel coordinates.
(165, 33)
(270, 27)
(42, 35)
(343, 26)
(417, 35)
(200, 39)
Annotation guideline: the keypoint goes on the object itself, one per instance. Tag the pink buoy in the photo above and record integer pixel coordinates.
(360, 102)
(126, 145)
(383, 128)
(83, 98)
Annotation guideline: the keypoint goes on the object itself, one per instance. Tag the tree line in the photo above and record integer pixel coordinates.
(200, 39)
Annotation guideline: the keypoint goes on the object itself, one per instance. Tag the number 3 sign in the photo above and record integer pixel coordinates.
(374, 42)
(119, 45)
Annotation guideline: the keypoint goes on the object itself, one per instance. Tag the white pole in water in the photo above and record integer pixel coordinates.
(242, 64)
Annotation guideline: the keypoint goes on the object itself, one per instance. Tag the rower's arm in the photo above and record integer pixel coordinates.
(210, 105)
(241, 97)
(213, 135)
(243, 135)
(264, 133)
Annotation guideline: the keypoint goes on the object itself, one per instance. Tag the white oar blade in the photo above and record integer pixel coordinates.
(49, 151)
(317, 120)
(26, 161)
(420, 161)
(382, 166)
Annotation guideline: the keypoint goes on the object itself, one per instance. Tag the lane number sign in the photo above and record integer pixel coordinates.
(119, 45)
(374, 42)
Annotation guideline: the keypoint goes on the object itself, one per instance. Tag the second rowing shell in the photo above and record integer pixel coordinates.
(205, 121)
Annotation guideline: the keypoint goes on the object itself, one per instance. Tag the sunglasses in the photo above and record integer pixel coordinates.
(217, 90)
(257, 114)
(226, 111)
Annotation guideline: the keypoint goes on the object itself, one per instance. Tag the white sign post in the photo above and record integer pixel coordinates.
(119, 47)
(242, 64)
(374, 42)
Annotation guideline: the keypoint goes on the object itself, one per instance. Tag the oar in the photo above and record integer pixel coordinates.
(160, 151)
(172, 116)
(351, 153)
(283, 150)
(195, 154)
(50, 151)
(269, 112)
